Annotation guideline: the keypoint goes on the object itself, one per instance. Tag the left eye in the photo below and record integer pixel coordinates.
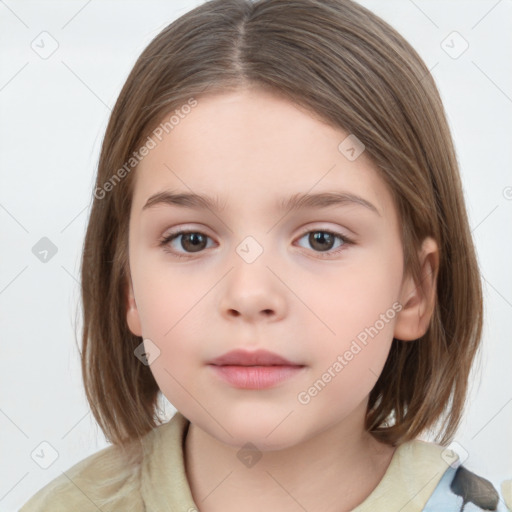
(323, 241)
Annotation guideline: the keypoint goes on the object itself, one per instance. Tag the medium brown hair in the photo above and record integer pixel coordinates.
(348, 67)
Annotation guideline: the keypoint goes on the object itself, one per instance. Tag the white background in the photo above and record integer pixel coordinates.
(53, 116)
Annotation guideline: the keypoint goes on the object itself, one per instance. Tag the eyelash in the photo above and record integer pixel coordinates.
(171, 236)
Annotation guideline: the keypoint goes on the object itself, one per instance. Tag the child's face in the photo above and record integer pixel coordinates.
(253, 279)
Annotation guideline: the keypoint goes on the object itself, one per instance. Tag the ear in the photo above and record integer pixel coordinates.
(419, 299)
(132, 313)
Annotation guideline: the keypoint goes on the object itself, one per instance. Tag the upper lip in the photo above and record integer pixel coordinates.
(256, 358)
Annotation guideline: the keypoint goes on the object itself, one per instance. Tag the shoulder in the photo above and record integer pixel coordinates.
(461, 489)
(425, 476)
(107, 480)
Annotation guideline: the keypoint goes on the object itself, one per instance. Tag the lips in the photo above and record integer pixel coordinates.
(256, 358)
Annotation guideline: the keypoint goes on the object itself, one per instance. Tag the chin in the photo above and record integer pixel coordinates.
(267, 434)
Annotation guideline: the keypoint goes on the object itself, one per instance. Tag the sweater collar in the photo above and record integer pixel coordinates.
(164, 484)
(413, 473)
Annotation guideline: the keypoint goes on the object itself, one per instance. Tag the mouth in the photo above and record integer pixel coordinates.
(259, 369)
(255, 358)
(256, 377)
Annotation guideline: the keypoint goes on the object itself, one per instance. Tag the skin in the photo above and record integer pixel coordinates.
(251, 148)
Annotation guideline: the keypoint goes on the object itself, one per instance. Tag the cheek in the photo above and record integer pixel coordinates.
(166, 297)
(168, 307)
(349, 362)
(354, 297)
(171, 310)
(359, 305)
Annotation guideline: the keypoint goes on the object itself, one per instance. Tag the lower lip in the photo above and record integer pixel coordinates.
(255, 377)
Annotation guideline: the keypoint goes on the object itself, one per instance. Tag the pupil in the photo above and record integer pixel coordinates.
(194, 239)
(321, 236)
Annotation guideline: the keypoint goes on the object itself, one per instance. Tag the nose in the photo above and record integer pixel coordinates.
(253, 293)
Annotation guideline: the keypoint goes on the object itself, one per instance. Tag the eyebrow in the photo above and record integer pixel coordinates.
(295, 202)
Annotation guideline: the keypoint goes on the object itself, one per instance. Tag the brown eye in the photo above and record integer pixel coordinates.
(193, 242)
(184, 242)
(323, 241)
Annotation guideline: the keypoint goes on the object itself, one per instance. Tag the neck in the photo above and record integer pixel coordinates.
(334, 470)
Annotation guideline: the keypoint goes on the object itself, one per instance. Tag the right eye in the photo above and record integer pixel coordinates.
(190, 241)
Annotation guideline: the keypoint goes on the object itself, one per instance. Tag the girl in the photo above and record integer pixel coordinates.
(279, 245)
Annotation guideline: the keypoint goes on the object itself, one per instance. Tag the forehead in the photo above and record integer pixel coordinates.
(252, 146)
